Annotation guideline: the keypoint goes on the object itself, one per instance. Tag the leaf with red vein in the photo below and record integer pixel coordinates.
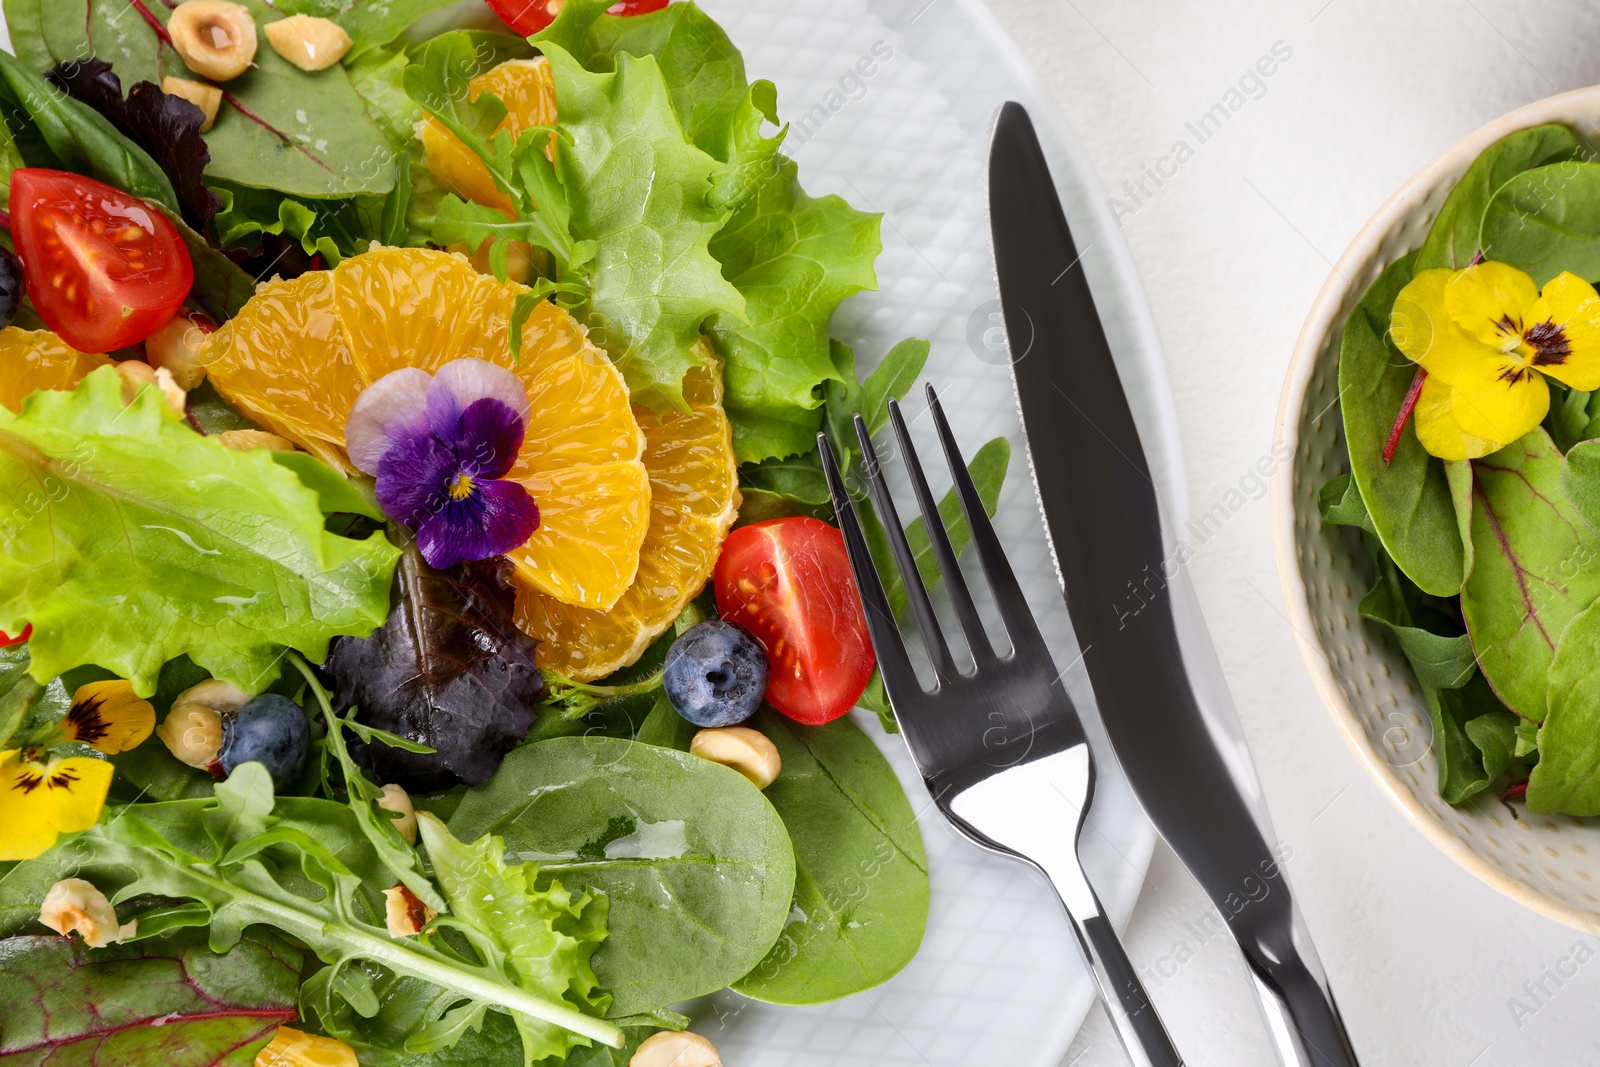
(167, 1000)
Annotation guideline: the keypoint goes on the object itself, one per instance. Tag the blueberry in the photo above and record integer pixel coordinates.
(715, 674)
(12, 286)
(270, 730)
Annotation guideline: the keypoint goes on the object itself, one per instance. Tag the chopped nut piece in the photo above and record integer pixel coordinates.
(310, 43)
(138, 375)
(245, 440)
(176, 347)
(216, 39)
(680, 1049)
(405, 912)
(208, 98)
(745, 750)
(75, 906)
(397, 800)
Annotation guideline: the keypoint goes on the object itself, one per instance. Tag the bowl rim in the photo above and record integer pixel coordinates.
(1323, 319)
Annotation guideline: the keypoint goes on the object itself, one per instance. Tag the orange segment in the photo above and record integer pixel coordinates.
(528, 90)
(31, 360)
(694, 497)
(300, 352)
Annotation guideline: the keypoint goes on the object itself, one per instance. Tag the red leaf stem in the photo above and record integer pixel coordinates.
(1407, 406)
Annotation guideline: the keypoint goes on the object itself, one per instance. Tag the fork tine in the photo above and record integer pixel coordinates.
(939, 538)
(906, 563)
(898, 675)
(1012, 605)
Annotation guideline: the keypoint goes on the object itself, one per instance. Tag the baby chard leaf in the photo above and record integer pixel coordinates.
(1534, 570)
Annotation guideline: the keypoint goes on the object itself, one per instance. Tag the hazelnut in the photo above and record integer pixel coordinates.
(291, 1048)
(676, 1049)
(76, 906)
(310, 43)
(208, 98)
(192, 730)
(176, 347)
(137, 376)
(397, 800)
(745, 750)
(245, 440)
(216, 39)
(405, 912)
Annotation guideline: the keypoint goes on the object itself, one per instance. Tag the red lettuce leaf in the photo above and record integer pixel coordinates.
(167, 127)
(166, 1000)
(449, 669)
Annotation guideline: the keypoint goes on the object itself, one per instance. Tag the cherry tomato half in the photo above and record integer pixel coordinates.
(105, 270)
(530, 16)
(7, 641)
(788, 582)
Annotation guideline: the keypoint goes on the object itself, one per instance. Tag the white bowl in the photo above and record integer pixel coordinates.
(1549, 863)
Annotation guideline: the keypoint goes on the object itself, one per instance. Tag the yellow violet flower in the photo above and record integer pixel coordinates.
(1487, 337)
(41, 800)
(105, 716)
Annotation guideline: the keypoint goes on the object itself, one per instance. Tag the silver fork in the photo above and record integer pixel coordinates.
(1001, 746)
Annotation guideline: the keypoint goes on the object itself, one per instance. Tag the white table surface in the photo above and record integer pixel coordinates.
(1429, 965)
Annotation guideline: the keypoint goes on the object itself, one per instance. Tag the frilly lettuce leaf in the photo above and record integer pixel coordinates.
(131, 540)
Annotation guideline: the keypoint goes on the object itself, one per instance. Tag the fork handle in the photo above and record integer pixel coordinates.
(1134, 1017)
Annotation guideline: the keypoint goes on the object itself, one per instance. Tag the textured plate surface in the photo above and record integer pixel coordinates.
(1545, 862)
(998, 979)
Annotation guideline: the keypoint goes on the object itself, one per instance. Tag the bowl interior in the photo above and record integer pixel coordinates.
(1546, 862)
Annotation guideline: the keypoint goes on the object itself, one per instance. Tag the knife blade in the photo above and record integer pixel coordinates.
(1155, 677)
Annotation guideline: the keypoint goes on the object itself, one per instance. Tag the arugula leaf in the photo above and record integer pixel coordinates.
(694, 860)
(546, 936)
(861, 890)
(640, 191)
(166, 1000)
(449, 669)
(794, 258)
(379, 76)
(305, 134)
(154, 541)
(298, 865)
(167, 127)
(79, 138)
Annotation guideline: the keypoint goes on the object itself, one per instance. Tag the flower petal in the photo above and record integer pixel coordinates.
(1499, 401)
(1419, 313)
(487, 438)
(74, 791)
(493, 519)
(394, 405)
(1441, 435)
(462, 381)
(1490, 301)
(1563, 332)
(25, 831)
(415, 476)
(107, 716)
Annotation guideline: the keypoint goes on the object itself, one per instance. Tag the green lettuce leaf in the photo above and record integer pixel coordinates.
(167, 1000)
(546, 936)
(334, 228)
(131, 540)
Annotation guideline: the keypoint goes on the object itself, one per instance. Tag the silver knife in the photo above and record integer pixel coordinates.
(1155, 676)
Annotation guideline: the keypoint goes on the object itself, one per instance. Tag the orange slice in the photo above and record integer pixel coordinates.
(300, 352)
(31, 360)
(694, 497)
(528, 90)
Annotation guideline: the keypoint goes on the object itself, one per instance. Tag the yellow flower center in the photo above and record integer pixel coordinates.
(461, 488)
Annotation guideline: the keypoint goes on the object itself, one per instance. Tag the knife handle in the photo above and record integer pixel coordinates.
(1298, 1006)
(1140, 1029)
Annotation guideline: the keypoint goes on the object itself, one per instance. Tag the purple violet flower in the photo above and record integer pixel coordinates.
(440, 447)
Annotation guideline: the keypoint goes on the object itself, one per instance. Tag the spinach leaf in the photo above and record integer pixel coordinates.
(80, 138)
(861, 876)
(1546, 221)
(18, 691)
(1408, 499)
(1495, 734)
(306, 134)
(1453, 240)
(221, 287)
(449, 669)
(370, 23)
(1461, 770)
(167, 1000)
(665, 728)
(777, 488)
(1567, 778)
(693, 859)
(1339, 501)
(1568, 418)
(1580, 480)
(1437, 646)
(1534, 570)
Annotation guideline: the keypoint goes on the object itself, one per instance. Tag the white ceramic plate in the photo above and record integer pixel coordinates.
(998, 979)
(1543, 862)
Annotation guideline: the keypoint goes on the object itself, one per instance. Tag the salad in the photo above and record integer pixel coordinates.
(1469, 377)
(425, 641)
